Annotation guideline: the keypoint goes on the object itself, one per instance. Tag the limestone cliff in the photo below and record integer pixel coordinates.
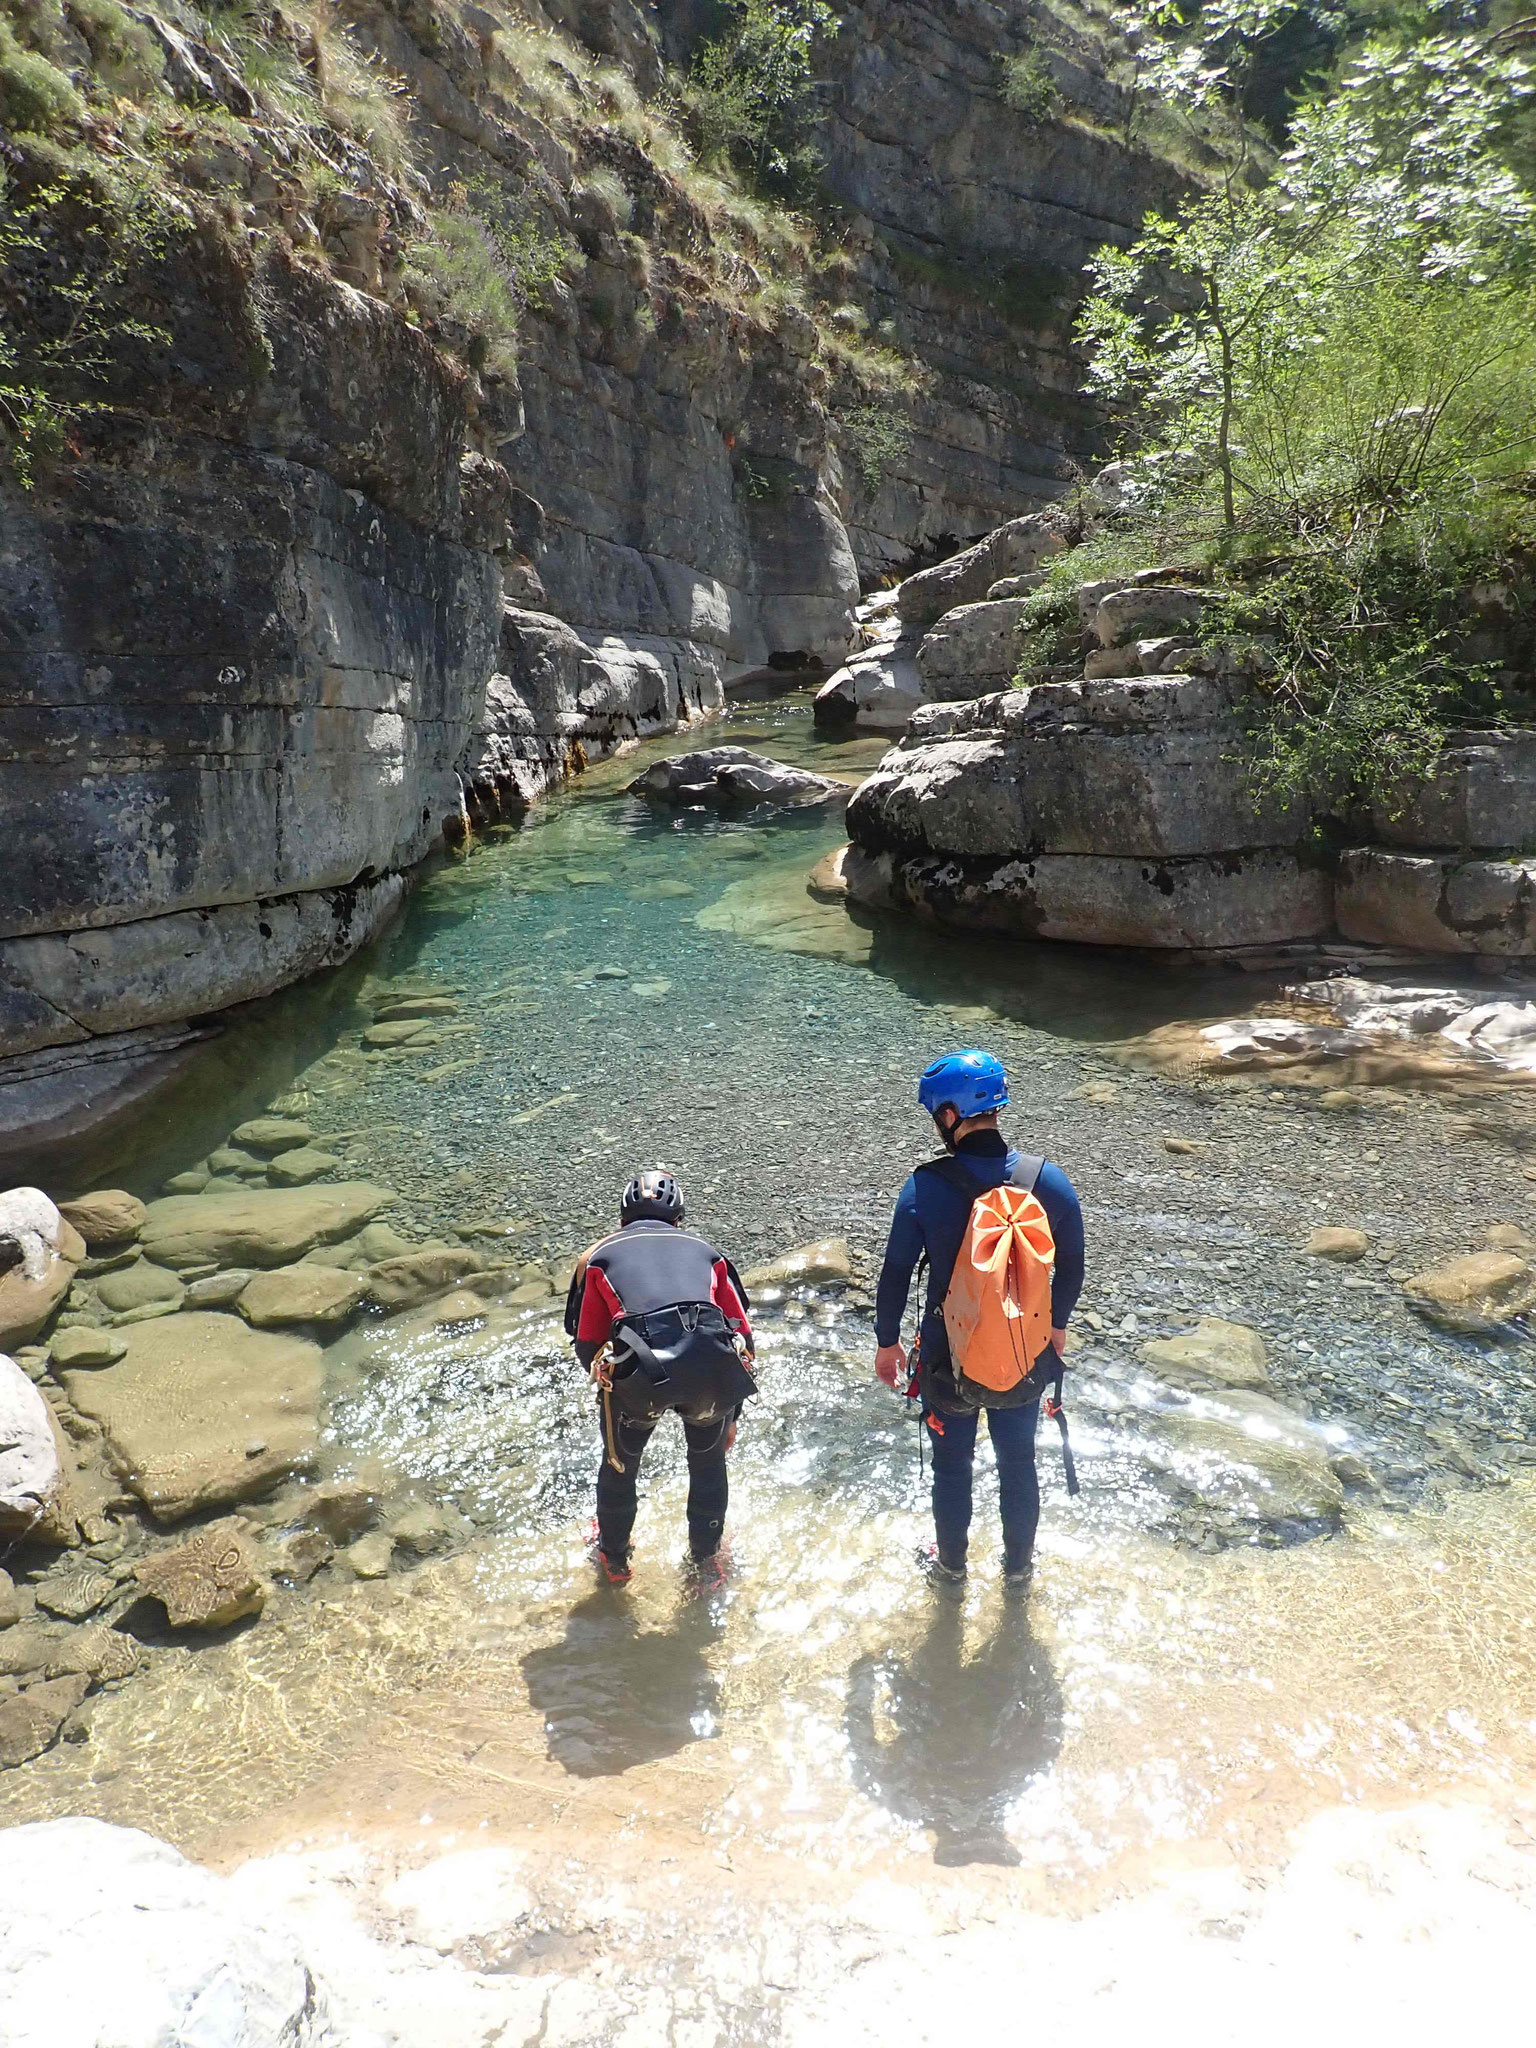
(312, 567)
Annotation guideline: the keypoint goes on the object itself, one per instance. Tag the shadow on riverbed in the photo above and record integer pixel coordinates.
(951, 1744)
(614, 1694)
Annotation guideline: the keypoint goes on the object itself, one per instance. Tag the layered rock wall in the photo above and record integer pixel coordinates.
(1121, 807)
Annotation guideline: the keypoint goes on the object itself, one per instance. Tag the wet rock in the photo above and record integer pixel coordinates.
(272, 1134)
(39, 1252)
(807, 1266)
(300, 1294)
(1353, 1471)
(152, 1950)
(30, 1723)
(383, 1037)
(343, 1508)
(226, 1160)
(10, 1601)
(138, 1285)
(82, 1347)
(31, 1476)
(413, 1278)
(1247, 1457)
(74, 1591)
(393, 1009)
(1455, 1450)
(297, 1168)
(1339, 1099)
(99, 1653)
(108, 1217)
(209, 1581)
(24, 1651)
(1509, 1237)
(219, 1290)
(298, 1556)
(370, 1555)
(191, 1396)
(458, 1308)
(1334, 1241)
(378, 1241)
(727, 776)
(1215, 1352)
(257, 1226)
(419, 1528)
(192, 1182)
(1475, 1294)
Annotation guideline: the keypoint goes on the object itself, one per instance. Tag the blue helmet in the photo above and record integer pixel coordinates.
(971, 1082)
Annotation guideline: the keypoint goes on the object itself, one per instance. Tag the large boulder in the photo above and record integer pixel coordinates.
(256, 1226)
(202, 1410)
(1015, 549)
(30, 1471)
(1482, 795)
(973, 649)
(39, 1255)
(116, 1938)
(876, 691)
(732, 777)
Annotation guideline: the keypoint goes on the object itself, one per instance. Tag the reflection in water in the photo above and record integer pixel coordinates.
(614, 1694)
(950, 1743)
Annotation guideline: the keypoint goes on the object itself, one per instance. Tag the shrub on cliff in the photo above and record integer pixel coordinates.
(750, 93)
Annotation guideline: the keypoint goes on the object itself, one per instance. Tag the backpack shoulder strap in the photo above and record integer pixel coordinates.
(949, 1169)
(1029, 1169)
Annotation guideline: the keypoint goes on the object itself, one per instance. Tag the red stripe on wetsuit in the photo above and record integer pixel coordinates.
(601, 1307)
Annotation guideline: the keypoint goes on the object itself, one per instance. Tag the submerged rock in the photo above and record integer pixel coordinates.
(272, 1134)
(108, 1217)
(729, 776)
(138, 1285)
(256, 1226)
(297, 1168)
(300, 1294)
(83, 1347)
(1476, 1294)
(1247, 1457)
(343, 1508)
(208, 1582)
(413, 1278)
(202, 1410)
(31, 1723)
(826, 1261)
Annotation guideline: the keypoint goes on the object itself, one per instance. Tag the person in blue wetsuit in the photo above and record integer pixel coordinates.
(963, 1093)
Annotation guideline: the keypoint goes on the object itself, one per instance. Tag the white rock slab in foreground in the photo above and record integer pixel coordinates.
(115, 1940)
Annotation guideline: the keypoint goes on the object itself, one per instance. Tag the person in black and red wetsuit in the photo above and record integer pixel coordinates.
(673, 1315)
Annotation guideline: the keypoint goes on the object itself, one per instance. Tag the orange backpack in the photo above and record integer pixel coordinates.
(997, 1308)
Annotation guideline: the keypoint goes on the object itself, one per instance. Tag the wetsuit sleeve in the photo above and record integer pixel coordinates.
(600, 1308)
(1064, 1213)
(903, 1249)
(730, 1297)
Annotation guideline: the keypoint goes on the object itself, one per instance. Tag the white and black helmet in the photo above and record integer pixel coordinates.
(653, 1193)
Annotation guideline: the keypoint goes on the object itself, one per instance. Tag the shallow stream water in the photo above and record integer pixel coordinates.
(637, 987)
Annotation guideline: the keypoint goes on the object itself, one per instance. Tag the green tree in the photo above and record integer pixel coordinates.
(751, 92)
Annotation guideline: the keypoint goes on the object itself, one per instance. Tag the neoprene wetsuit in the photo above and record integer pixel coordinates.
(931, 1216)
(647, 1266)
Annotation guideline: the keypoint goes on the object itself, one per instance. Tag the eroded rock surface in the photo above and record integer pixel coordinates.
(256, 1227)
(202, 1410)
(733, 778)
(209, 1581)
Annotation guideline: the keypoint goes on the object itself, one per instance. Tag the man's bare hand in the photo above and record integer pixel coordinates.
(1059, 1340)
(891, 1364)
